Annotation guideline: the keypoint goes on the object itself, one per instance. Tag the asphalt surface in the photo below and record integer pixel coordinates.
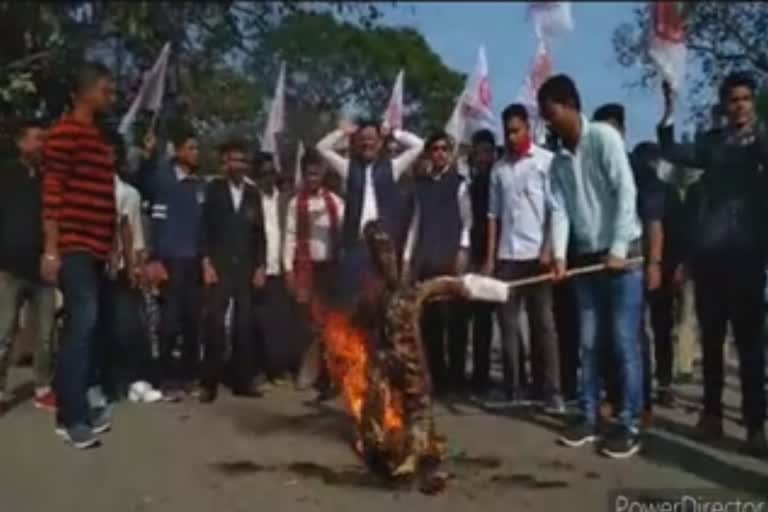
(284, 452)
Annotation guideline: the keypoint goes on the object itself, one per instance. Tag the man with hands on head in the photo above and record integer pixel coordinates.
(371, 192)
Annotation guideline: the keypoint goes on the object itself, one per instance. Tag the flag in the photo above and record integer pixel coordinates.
(473, 110)
(540, 71)
(393, 117)
(667, 45)
(456, 126)
(299, 156)
(276, 119)
(550, 19)
(150, 95)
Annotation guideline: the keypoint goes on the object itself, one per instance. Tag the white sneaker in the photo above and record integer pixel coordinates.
(142, 392)
(152, 396)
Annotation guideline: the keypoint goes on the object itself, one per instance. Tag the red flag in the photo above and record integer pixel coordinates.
(668, 21)
(667, 46)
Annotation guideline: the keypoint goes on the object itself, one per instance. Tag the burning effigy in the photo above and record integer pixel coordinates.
(386, 386)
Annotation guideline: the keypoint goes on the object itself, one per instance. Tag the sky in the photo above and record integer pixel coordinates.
(455, 30)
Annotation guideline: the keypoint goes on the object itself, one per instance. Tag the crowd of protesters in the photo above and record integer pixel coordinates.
(174, 282)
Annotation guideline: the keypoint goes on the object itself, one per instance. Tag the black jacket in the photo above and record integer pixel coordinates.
(235, 241)
(21, 221)
(726, 209)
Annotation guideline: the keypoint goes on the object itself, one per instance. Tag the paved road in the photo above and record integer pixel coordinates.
(280, 453)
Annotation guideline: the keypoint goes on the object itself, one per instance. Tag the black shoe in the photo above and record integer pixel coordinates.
(621, 444)
(665, 398)
(208, 395)
(578, 433)
(757, 446)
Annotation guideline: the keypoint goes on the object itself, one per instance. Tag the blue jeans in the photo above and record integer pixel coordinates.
(82, 279)
(610, 309)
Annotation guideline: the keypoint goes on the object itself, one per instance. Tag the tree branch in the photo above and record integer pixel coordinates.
(27, 60)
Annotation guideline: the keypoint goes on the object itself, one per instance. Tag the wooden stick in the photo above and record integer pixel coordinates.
(591, 269)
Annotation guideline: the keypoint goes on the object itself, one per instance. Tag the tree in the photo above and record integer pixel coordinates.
(721, 37)
(335, 64)
(43, 41)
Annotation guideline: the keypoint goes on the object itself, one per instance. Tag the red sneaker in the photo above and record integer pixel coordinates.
(46, 402)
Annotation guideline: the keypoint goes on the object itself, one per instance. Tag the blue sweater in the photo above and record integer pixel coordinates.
(175, 209)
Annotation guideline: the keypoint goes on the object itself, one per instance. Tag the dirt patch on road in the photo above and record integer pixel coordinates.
(459, 466)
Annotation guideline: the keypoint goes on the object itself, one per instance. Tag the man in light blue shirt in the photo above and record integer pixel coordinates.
(594, 199)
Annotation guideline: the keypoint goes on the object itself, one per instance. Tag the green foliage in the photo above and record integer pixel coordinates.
(335, 64)
(224, 61)
(721, 37)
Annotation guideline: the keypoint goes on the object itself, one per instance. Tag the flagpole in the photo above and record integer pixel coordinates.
(152, 124)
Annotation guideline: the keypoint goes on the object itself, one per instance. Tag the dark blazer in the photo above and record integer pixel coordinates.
(235, 241)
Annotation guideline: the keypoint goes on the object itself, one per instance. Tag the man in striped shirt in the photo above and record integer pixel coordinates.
(79, 225)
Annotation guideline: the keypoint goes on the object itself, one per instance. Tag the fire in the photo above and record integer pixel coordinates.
(349, 360)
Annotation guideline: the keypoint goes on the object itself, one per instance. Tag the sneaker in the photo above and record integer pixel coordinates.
(96, 397)
(137, 391)
(578, 433)
(665, 398)
(621, 444)
(101, 420)
(555, 405)
(46, 402)
(80, 436)
(757, 446)
(709, 427)
(152, 396)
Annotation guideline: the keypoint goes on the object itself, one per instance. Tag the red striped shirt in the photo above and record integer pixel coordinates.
(79, 187)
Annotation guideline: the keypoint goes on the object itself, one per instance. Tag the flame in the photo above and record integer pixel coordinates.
(348, 360)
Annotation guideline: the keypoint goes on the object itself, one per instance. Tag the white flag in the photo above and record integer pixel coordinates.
(457, 126)
(473, 109)
(550, 19)
(299, 156)
(540, 71)
(150, 95)
(393, 116)
(276, 119)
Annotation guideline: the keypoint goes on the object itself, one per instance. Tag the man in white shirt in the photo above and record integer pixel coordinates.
(438, 244)
(310, 258)
(282, 341)
(519, 247)
(132, 359)
(371, 192)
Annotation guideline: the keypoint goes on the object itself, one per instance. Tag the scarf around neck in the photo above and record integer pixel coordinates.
(303, 268)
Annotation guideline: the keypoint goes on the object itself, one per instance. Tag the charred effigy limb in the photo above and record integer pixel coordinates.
(396, 428)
